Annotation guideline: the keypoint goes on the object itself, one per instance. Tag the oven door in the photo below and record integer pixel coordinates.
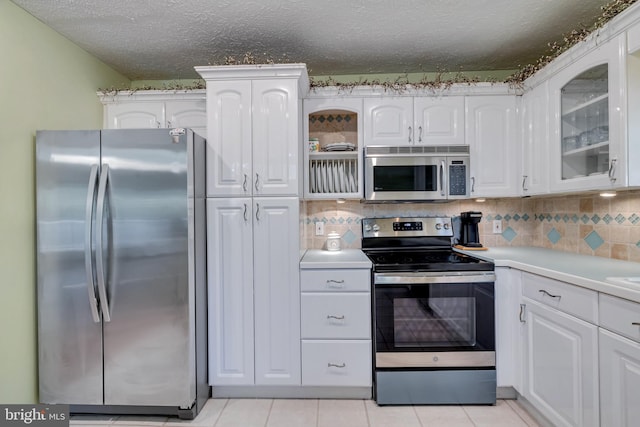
(434, 320)
(405, 178)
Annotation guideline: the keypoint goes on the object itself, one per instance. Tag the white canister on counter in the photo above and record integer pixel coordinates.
(333, 241)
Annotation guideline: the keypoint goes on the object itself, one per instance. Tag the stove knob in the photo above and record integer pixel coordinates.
(367, 227)
(376, 227)
(438, 226)
(446, 226)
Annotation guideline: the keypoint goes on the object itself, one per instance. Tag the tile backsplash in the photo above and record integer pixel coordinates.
(586, 224)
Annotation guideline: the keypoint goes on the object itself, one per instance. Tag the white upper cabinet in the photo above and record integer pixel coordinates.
(388, 121)
(493, 142)
(588, 133)
(423, 120)
(156, 109)
(439, 120)
(332, 159)
(254, 121)
(535, 141)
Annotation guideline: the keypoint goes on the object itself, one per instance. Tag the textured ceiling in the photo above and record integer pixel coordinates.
(165, 39)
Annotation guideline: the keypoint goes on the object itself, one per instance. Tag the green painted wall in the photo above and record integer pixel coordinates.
(46, 82)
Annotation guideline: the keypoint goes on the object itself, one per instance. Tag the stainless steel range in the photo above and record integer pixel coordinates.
(433, 315)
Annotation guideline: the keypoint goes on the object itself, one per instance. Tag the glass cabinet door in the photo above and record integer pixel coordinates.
(585, 124)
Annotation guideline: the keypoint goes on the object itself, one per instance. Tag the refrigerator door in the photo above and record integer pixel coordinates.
(149, 342)
(69, 328)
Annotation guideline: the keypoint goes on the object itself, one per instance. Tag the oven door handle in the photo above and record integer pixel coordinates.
(430, 278)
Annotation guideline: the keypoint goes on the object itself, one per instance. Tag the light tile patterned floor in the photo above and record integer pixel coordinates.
(329, 413)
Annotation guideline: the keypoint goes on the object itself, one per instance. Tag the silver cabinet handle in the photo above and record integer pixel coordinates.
(169, 124)
(258, 211)
(473, 184)
(419, 133)
(410, 132)
(521, 316)
(524, 182)
(244, 183)
(335, 283)
(245, 213)
(335, 365)
(102, 287)
(331, 316)
(88, 243)
(158, 124)
(257, 181)
(548, 294)
(612, 169)
(635, 323)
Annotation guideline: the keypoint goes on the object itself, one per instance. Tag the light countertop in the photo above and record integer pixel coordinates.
(583, 270)
(346, 258)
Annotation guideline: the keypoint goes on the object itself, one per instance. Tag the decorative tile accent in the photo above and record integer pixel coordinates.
(607, 218)
(633, 219)
(526, 217)
(594, 240)
(584, 218)
(507, 217)
(516, 217)
(565, 218)
(554, 236)
(557, 218)
(575, 218)
(509, 234)
(498, 217)
(489, 217)
(595, 218)
(349, 237)
(549, 217)
(620, 219)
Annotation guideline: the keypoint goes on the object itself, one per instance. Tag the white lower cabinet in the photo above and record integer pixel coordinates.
(561, 366)
(619, 362)
(254, 317)
(336, 327)
(336, 363)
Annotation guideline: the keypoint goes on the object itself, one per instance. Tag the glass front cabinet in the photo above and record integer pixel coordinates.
(588, 135)
(333, 148)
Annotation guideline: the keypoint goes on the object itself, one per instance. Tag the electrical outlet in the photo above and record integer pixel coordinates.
(319, 228)
(497, 226)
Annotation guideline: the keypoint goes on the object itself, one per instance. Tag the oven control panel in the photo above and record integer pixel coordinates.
(407, 227)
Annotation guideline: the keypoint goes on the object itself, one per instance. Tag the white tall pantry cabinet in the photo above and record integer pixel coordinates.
(253, 164)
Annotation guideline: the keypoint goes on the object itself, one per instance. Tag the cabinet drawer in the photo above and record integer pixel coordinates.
(339, 280)
(619, 315)
(580, 302)
(336, 363)
(336, 315)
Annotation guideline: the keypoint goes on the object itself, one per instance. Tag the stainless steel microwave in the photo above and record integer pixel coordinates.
(416, 173)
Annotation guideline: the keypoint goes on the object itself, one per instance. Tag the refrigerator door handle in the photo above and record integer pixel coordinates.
(102, 289)
(88, 241)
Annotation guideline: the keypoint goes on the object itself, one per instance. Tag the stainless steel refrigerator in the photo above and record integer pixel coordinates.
(121, 271)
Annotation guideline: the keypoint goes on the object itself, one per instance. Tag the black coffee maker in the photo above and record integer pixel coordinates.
(469, 235)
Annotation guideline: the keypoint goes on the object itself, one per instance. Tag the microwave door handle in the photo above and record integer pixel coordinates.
(442, 165)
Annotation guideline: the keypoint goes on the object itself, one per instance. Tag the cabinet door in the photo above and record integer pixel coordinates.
(508, 293)
(230, 286)
(535, 140)
(588, 135)
(388, 121)
(619, 380)
(491, 135)
(277, 290)
(188, 114)
(276, 118)
(561, 366)
(135, 115)
(439, 120)
(229, 139)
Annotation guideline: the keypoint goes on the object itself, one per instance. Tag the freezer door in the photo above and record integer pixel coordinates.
(69, 329)
(149, 347)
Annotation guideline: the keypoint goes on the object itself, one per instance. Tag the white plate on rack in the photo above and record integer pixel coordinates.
(352, 181)
(341, 176)
(336, 179)
(312, 177)
(330, 176)
(318, 178)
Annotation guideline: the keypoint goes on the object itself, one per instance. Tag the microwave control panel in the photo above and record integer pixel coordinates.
(457, 178)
